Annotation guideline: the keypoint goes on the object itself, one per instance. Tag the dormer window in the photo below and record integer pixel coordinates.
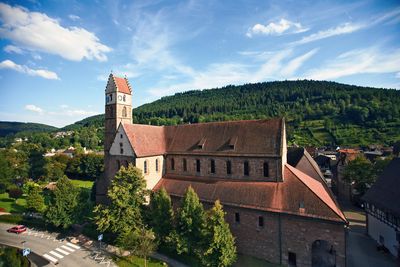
(232, 143)
(201, 143)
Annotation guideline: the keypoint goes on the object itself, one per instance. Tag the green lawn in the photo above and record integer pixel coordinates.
(82, 184)
(134, 261)
(11, 205)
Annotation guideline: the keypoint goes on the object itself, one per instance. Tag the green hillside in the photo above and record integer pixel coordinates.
(7, 128)
(317, 112)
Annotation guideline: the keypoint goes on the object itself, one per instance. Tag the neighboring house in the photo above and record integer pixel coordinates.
(69, 152)
(341, 187)
(282, 213)
(383, 208)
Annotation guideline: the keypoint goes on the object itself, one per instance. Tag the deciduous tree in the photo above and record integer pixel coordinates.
(161, 214)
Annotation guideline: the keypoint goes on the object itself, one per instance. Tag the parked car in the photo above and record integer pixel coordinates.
(17, 229)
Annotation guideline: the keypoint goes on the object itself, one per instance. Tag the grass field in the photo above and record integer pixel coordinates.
(82, 184)
(133, 261)
(10, 205)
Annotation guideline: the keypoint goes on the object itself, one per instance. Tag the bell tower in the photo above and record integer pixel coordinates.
(118, 107)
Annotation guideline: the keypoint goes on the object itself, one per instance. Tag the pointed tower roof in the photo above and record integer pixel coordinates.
(122, 84)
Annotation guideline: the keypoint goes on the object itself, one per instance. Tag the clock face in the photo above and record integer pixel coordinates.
(120, 97)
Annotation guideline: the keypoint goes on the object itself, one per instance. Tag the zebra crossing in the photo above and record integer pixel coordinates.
(60, 252)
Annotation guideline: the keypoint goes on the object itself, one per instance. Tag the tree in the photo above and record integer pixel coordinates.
(14, 192)
(190, 224)
(220, 249)
(360, 172)
(63, 204)
(127, 196)
(35, 200)
(161, 214)
(140, 242)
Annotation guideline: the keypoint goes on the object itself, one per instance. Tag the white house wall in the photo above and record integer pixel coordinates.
(377, 228)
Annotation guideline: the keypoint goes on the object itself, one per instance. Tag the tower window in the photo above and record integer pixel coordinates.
(197, 165)
(156, 165)
(266, 169)
(212, 166)
(172, 164)
(124, 98)
(246, 168)
(260, 221)
(228, 167)
(110, 97)
(184, 163)
(124, 112)
(237, 217)
(145, 166)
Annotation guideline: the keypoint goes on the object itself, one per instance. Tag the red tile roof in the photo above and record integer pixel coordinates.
(260, 137)
(146, 140)
(282, 197)
(122, 85)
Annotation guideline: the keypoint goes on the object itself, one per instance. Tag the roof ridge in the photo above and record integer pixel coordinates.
(293, 170)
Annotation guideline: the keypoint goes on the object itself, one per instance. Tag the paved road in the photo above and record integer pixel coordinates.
(48, 246)
(361, 249)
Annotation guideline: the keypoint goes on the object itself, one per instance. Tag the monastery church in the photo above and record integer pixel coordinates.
(278, 206)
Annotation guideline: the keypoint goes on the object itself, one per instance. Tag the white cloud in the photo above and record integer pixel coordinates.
(276, 28)
(339, 30)
(369, 60)
(34, 108)
(37, 32)
(8, 64)
(73, 17)
(297, 62)
(13, 49)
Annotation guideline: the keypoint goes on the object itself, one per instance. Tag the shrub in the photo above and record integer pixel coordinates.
(14, 192)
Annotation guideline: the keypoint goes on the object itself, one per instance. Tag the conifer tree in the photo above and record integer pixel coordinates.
(161, 214)
(127, 196)
(220, 249)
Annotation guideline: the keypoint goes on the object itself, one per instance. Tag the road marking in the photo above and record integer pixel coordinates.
(73, 246)
(62, 251)
(68, 248)
(50, 258)
(56, 254)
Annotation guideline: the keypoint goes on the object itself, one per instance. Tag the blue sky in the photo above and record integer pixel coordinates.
(55, 56)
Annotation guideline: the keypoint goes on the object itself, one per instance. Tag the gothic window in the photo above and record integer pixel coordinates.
(110, 97)
(121, 148)
(118, 164)
(228, 167)
(184, 163)
(237, 217)
(172, 164)
(212, 166)
(121, 136)
(145, 166)
(156, 165)
(260, 221)
(266, 169)
(124, 112)
(124, 98)
(197, 165)
(246, 169)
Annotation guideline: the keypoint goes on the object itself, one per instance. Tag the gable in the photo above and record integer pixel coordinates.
(121, 140)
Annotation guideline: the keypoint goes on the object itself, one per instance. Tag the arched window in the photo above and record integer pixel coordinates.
(156, 165)
(246, 168)
(184, 163)
(197, 165)
(228, 167)
(266, 169)
(212, 166)
(124, 112)
(145, 166)
(172, 164)
(118, 164)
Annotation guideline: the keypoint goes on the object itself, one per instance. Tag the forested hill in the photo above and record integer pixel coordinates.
(8, 127)
(317, 112)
